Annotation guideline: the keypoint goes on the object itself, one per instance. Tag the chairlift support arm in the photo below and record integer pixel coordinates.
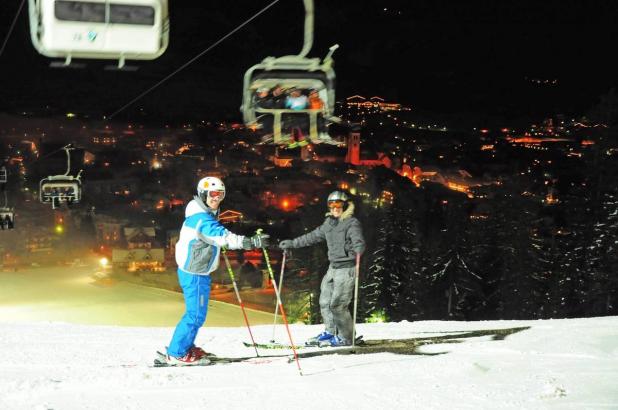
(308, 38)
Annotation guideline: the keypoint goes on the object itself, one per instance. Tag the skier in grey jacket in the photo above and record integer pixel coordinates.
(344, 238)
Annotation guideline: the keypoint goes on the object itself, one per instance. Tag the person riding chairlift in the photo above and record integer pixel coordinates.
(297, 101)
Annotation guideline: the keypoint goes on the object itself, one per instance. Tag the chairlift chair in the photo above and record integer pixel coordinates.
(3, 175)
(100, 29)
(61, 189)
(7, 216)
(297, 71)
(7, 219)
(288, 72)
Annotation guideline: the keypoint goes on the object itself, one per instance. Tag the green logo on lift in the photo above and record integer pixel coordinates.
(92, 35)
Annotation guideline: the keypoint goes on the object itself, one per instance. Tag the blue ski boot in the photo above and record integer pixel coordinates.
(334, 341)
(322, 337)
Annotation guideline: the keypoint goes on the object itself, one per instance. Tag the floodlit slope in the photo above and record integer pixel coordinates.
(76, 295)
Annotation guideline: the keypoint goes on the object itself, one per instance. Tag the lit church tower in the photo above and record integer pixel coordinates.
(353, 155)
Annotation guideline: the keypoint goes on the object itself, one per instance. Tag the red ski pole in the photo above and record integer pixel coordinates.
(240, 302)
(285, 319)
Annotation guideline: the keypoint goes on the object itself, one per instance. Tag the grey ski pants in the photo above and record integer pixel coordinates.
(336, 292)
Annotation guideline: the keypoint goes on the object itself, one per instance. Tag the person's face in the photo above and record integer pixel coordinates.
(214, 199)
(336, 208)
(277, 91)
(295, 93)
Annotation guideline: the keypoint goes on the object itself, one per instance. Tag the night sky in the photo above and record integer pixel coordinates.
(445, 57)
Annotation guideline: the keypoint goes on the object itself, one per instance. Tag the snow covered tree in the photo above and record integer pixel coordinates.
(505, 251)
(391, 284)
(602, 249)
(603, 286)
(456, 288)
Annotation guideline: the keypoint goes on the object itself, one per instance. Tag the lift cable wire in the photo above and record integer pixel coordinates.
(182, 67)
(68, 146)
(6, 39)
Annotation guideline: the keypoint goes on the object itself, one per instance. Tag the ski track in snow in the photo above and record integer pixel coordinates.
(556, 364)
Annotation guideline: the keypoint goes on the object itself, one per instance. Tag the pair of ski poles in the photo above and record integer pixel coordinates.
(356, 278)
(279, 302)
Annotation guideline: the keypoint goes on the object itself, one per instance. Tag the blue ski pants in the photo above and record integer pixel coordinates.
(196, 290)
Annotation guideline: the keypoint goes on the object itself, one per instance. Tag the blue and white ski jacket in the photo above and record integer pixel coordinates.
(201, 239)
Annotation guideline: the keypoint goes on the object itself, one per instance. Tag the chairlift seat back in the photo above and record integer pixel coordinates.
(64, 190)
(101, 29)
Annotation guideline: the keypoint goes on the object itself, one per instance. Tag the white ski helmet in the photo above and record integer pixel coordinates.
(209, 184)
(337, 196)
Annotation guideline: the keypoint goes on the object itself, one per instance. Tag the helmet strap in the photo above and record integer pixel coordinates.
(201, 203)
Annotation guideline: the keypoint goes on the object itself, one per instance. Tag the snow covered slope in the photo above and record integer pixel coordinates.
(554, 364)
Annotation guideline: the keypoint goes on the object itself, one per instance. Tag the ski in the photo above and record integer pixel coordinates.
(276, 345)
(214, 359)
(162, 363)
(271, 345)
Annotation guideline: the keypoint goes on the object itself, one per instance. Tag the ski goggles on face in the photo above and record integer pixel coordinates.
(216, 195)
(335, 204)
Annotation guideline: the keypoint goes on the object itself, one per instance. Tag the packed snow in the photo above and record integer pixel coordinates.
(553, 364)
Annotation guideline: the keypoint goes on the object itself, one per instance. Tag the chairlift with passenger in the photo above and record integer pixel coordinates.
(7, 216)
(293, 71)
(7, 219)
(59, 189)
(100, 29)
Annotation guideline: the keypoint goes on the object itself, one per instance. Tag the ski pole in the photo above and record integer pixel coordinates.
(285, 319)
(240, 302)
(357, 274)
(280, 290)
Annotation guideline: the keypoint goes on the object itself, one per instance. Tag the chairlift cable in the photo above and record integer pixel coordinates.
(6, 39)
(182, 67)
(68, 146)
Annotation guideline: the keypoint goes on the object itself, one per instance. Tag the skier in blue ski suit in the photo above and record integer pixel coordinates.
(197, 254)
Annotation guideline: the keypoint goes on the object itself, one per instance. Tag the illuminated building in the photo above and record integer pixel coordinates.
(104, 140)
(141, 252)
(372, 105)
(230, 216)
(284, 200)
(353, 154)
(138, 259)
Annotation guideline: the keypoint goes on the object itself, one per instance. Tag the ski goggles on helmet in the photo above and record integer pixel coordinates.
(335, 204)
(216, 195)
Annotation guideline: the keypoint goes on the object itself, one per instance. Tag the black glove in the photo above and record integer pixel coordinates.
(255, 242)
(286, 244)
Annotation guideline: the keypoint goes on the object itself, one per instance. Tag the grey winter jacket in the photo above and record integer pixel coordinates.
(343, 236)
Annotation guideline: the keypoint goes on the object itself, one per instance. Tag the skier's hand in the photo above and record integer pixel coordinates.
(285, 244)
(256, 241)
